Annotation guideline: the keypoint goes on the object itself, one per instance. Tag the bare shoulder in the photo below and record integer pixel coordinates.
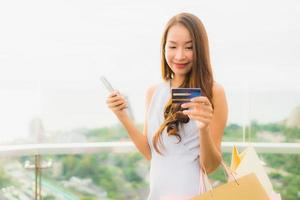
(149, 93)
(218, 93)
(151, 89)
(218, 88)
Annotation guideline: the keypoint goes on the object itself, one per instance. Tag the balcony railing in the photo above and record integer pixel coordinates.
(88, 148)
(40, 150)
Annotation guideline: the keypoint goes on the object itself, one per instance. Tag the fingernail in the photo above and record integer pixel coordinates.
(183, 105)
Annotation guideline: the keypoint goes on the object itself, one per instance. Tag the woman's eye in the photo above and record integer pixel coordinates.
(189, 48)
(172, 47)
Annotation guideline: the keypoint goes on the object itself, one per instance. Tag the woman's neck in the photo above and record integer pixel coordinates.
(176, 81)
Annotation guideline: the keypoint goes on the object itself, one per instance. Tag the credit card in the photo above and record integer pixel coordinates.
(183, 95)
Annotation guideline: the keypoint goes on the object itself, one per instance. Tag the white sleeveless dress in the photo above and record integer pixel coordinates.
(175, 174)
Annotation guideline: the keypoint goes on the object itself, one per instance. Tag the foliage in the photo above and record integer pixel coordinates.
(124, 176)
(4, 179)
(116, 173)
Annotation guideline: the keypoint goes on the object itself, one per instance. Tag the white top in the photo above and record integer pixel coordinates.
(175, 174)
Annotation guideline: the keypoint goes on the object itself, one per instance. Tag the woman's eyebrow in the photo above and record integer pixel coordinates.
(176, 42)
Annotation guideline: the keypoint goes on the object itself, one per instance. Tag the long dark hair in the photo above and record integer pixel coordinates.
(200, 76)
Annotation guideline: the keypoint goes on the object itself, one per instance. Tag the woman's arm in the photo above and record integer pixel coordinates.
(211, 124)
(117, 103)
(211, 137)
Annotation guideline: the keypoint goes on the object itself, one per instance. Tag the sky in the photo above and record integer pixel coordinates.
(52, 54)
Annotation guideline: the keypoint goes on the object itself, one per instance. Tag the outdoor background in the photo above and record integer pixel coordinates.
(52, 54)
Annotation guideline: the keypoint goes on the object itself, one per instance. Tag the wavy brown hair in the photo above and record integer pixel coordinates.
(200, 75)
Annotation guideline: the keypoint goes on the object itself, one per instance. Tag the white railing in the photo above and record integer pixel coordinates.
(38, 150)
(88, 148)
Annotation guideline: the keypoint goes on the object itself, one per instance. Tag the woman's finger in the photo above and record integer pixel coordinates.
(113, 99)
(116, 103)
(189, 105)
(119, 107)
(207, 109)
(123, 106)
(196, 104)
(114, 93)
(198, 113)
(198, 107)
(201, 119)
(202, 100)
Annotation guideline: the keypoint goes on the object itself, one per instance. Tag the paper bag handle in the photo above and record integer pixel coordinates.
(205, 185)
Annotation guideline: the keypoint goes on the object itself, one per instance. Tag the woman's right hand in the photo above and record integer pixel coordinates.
(117, 103)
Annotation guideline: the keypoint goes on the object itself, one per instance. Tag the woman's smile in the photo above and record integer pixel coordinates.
(180, 65)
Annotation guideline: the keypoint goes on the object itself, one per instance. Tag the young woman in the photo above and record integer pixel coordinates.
(177, 138)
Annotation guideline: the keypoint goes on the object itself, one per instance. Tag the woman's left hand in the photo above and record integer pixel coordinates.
(199, 109)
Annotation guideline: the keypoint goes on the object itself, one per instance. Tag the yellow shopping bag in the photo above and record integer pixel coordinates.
(246, 187)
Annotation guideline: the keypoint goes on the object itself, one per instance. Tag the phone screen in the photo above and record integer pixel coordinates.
(106, 84)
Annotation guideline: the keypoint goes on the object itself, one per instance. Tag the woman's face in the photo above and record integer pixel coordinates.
(179, 50)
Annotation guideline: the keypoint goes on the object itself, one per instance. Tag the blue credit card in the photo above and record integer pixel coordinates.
(183, 95)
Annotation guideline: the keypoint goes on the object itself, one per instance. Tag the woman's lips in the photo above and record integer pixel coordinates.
(180, 65)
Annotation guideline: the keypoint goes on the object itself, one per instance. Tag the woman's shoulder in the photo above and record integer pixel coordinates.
(151, 89)
(219, 95)
(149, 93)
(217, 88)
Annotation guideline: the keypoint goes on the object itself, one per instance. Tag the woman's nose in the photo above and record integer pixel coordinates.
(179, 54)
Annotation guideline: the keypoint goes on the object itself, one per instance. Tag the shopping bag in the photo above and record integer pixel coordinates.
(275, 196)
(244, 188)
(248, 162)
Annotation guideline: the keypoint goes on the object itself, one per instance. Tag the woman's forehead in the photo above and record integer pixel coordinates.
(178, 34)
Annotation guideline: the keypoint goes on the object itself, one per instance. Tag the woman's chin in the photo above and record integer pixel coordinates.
(180, 72)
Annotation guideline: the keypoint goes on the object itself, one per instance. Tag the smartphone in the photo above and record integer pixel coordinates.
(184, 95)
(106, 84)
